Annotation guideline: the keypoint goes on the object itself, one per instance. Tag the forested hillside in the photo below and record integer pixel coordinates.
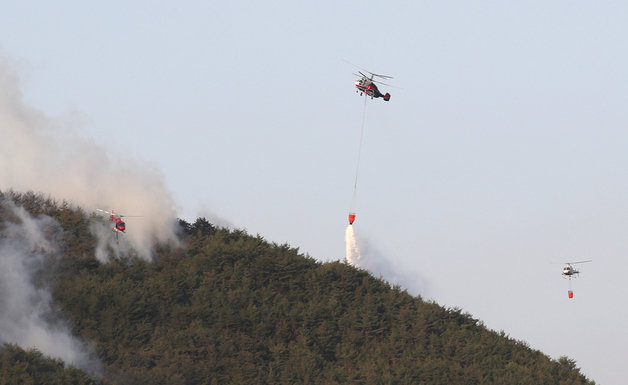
(231, 308)
(31, 367)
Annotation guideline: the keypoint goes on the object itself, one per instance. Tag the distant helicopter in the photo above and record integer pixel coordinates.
(119, 225)
(570, 272)
(366, 85)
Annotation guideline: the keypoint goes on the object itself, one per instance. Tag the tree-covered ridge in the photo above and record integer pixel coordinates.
(31, 367)
(231, 308)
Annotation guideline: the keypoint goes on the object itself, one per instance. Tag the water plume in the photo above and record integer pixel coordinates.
(362, 254)
(351, 246)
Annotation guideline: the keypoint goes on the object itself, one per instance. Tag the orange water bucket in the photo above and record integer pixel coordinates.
(570, 294)
(351, 218)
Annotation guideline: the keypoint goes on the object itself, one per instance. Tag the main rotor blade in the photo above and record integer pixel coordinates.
(365, 70)
(356, 66)
(378, 82)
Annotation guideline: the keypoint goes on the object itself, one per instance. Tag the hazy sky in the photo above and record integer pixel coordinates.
(502, 150)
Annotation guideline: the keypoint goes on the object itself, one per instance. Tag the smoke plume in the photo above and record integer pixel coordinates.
(27, 317)
(362, 254)
(46, 155)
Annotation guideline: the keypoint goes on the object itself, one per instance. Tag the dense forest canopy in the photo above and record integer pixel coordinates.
(226, 307)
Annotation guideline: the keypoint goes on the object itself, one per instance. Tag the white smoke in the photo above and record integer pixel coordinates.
(363, 255)
(26, 314)
(45, 155)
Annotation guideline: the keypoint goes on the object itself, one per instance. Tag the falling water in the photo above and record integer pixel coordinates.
(352, 251)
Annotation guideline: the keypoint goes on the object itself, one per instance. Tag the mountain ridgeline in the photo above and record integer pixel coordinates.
(225, 307)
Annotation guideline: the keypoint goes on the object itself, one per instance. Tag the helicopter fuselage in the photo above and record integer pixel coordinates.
(368, 87)
(120, 225)
(569, 271)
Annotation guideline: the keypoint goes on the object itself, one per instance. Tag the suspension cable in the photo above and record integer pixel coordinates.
(357, 167)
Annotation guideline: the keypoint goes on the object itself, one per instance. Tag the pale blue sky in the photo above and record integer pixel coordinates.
(503, 149)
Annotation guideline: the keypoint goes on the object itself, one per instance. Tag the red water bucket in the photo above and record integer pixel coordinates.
(570, 294)
(351, 218)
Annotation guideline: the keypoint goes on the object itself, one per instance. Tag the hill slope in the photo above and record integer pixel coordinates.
(230, 308)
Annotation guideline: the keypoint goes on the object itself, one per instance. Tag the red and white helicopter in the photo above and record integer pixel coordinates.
(366, 85)
(119, 225)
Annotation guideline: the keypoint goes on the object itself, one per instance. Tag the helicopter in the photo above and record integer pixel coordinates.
(119, 225)
(570, 272)
(366, 85)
